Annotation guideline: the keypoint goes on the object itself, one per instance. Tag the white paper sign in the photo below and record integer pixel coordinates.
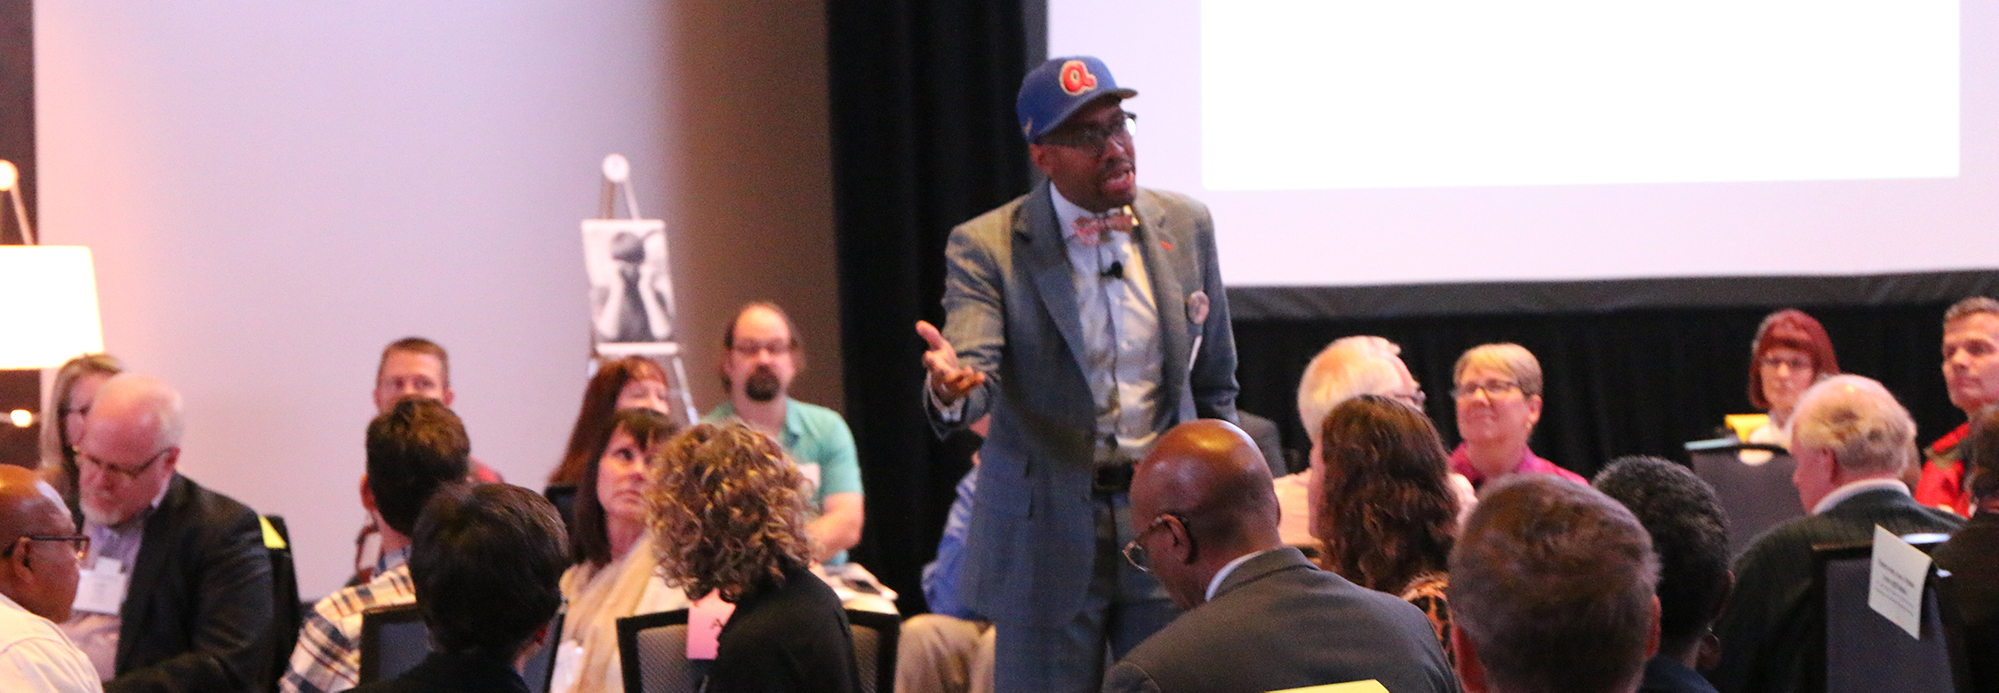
(1896, 584)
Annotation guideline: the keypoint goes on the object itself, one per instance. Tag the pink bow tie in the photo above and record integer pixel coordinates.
(1090, 230)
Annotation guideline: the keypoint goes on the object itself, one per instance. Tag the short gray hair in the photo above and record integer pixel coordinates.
(1506, 357)
(1347, 368)
(1857, 420)
(1969, 307)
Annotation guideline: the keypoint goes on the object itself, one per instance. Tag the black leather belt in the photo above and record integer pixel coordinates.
(1112, 479)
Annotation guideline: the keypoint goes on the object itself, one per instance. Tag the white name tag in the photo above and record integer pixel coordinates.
(101, 589)
(810, 470)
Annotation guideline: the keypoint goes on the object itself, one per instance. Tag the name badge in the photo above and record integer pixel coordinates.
(810, 470)
(704, 625)
(101, 589)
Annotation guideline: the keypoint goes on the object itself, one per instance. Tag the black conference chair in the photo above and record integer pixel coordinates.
(1755, 497)
(394, 639)
(1862, 651)
(652, 648)
(875, 638)
(286, 612)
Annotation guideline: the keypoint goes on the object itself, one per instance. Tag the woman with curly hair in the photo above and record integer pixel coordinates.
(729, 518)
(1392, 515)
(632, 382)
(613, 570)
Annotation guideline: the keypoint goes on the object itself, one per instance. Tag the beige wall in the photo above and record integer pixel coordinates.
(273, 191)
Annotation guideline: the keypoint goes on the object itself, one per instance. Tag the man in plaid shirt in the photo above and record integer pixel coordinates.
(415, 448)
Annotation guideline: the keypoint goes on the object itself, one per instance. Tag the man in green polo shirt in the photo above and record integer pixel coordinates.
(760, 356)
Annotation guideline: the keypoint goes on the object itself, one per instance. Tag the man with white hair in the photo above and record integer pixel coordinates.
(176, 589)
(1348, 367)
(1852, 441)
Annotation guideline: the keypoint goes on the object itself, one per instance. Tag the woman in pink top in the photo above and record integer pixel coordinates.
(1498, 393)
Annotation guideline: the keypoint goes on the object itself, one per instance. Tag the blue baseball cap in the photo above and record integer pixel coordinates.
(1049, 94)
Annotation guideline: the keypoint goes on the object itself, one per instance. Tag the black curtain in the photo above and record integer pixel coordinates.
(1618, 382)
(924, 137)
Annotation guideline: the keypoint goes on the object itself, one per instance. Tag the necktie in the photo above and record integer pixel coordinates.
(1090, 230)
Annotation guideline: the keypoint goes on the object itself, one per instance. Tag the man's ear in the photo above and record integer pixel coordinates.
(1039, 154)
(367, 495)
(172, 460)
(449, 395)
(1183, 541)
(1471, 674)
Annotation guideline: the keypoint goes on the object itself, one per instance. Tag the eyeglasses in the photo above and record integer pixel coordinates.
(78, 543)
(1092, 138)
(1494, 389)
(126, 473)
(1135, 552)
(749, 350)
(1773, 361)
(1415, 398)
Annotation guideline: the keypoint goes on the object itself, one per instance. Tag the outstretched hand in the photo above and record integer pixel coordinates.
(949, 381)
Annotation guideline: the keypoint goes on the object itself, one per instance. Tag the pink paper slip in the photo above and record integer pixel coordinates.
(704, 625)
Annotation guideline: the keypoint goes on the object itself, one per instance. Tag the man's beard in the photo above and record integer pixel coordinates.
(762, 385)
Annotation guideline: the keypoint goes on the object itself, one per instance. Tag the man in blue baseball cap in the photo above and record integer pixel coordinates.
(1087, 317)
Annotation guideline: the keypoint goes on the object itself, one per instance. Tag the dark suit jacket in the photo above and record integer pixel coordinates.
(197, 614)
(1011, 301)
(443, 672)
(1279, 622)
(1768, 626)
(1972, 557)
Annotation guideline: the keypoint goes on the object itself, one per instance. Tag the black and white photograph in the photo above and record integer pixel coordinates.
(631, 292)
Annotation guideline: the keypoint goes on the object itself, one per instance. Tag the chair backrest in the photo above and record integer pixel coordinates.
(1863, 651)
(286, 612)
(875, 636)
(394, 639)
(652, 648)
(1755, 497)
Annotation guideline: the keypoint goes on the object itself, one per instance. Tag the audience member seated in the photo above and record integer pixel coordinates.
(1791, 351)
(1552, 591)
(729, 518)
(761, 354)
(1852, 441)
(194, 611)
(415, 448)
(950, 649)
(632, 382)
(1498, 393)
(1259, 615)
(1390, 514)
(613, 571)
(1350, 366)
(410, 367)
(38, 576)
(485, 560)
(1972, 555)
(70, 395)
(1690, 536)
(1971, 374)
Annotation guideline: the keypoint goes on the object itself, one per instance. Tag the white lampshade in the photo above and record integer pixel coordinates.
(48, 306)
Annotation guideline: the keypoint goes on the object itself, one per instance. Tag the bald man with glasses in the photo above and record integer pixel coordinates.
(175, 589)
(38, 574)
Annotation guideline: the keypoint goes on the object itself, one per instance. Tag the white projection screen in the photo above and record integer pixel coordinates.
(1367, 143)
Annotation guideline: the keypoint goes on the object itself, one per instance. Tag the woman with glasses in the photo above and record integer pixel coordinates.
(70, 396)
(613, 571)
(1391, 515)
(728, 519)
(1497, 388)
(1791, 351)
